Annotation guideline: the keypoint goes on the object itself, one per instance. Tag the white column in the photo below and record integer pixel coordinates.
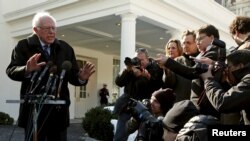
(128, 40)
(128, 32)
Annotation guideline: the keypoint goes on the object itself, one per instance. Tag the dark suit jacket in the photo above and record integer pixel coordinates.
(60, 52)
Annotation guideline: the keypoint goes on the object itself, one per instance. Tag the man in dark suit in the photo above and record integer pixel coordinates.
(29, 61)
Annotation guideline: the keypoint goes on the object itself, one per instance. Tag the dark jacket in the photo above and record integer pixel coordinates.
(197, 86)
(235, 99)
(138, 88)
(196, 129)
(155, 82)
(60, 52)
(180, 85)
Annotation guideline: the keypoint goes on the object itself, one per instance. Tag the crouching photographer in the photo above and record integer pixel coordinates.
(147, 116)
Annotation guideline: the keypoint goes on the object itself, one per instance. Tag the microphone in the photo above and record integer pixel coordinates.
(32, 80)
(52, 71)
(65, 67)
(54, 85)
(49, 64)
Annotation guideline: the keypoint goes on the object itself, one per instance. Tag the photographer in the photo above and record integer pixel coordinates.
(237, 74)
(149, 126)
(141, 77)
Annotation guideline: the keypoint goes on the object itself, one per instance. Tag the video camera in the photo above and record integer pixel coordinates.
(150, 127)
(219, 65)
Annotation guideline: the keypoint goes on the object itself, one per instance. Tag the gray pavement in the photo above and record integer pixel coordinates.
(75, 132)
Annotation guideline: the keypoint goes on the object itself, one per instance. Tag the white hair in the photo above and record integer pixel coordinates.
(37, 18)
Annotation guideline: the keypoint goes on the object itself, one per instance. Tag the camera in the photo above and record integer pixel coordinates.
(219, 65)
(150, 127)
(136, 62)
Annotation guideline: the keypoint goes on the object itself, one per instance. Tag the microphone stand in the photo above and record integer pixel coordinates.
(34, 100)
(35, 117)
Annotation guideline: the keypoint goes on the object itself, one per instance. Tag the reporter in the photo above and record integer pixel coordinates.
(172, 80)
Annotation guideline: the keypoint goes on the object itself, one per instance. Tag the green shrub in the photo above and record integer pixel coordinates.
(5, 119)
(97, 124)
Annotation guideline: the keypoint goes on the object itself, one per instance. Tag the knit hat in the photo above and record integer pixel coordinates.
(179, 114)
(166, 97)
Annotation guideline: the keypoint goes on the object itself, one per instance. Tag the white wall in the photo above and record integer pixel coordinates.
(18, 4)
(8, 89)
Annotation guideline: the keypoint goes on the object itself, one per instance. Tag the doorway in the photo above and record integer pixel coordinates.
(85, 96)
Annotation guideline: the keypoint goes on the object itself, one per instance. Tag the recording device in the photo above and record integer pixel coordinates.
(134, 62)
(150, 127)
(66, 66)
(219, 65)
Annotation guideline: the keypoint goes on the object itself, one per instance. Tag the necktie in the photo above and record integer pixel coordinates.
(46, 51)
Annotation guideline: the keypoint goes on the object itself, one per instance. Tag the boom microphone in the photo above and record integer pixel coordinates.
(49, 64)
(65, 67)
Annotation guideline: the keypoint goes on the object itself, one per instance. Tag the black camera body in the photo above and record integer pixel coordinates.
(150, 127)
(132, 62)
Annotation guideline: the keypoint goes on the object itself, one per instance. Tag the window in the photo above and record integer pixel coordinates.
(116, 70)
(82, 93)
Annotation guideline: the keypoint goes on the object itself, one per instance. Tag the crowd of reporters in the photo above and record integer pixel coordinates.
(206, 84)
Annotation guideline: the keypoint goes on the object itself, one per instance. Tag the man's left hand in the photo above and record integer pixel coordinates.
(86, 71)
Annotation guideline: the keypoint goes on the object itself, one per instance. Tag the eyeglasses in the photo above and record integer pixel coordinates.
(47, 29)
(201, 38)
